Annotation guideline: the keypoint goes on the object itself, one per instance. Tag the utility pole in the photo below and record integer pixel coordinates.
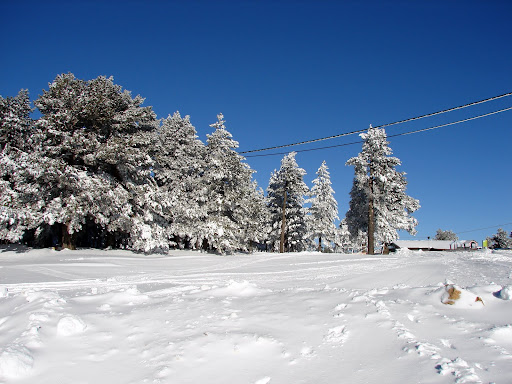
(371, 214)
(371, 227)
(283, 224)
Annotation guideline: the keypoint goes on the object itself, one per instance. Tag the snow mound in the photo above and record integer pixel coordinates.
(70, 325)
(462, 298)
(505, 293)
(129, 296)
(238, 289)
(3, 292)
(15, 362)
(502, 335)
(404, 252)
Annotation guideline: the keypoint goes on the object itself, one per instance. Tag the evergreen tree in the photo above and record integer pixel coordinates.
(179, 165)
(285, 199)
(346, 242)
(232, 196)
(500, 240)
(379, 205)
(445, 235)
(19, 203)
(16, 126)
(96, 137)
(324, 209)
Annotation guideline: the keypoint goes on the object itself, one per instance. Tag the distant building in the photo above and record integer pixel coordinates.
(434, 245)
(466, 244)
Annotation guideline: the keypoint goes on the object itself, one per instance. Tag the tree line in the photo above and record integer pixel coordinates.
(98, 169)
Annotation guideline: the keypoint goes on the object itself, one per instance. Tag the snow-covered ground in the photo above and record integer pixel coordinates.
(93, 316)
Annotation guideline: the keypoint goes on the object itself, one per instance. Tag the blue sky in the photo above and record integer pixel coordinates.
(287, 71)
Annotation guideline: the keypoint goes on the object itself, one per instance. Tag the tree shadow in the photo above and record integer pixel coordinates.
(18, 248)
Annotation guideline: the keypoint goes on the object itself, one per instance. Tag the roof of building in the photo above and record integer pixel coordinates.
(434, 244)
(424, 244)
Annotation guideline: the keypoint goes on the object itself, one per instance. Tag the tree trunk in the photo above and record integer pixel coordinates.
(283, 225)
(111, 240)
(319, 243)
(68, 240)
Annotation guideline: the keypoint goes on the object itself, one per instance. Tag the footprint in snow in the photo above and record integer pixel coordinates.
(307, 351)
(447, 343)
(458, 368)
(336, 335)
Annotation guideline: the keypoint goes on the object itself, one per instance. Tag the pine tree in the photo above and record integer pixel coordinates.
(19, 203)
(179, 165)
(445, 235)
(16, 126)
(379, 205)
(343, 241)
(95, 137)
(324, 209)
(232, 195)
(500, 240)
(285, 199)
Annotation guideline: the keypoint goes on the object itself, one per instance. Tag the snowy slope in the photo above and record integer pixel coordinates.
(92, 316)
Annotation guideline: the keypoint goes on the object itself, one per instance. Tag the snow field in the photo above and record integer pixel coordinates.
(262, 318)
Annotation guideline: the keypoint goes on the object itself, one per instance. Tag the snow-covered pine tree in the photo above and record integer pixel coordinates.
(379, 205)
(231, 193)
(343, 241)
(500, 240)
(19, 208)
(96, 136)
(16, 126)
(324, 209)
(286, 191)
(179, 165)
(445, 235)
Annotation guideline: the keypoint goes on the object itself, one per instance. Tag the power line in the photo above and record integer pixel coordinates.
(481, 229)
(380, 126)
(395, 135)
(468, 231)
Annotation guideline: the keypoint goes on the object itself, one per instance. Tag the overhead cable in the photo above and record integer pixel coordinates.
(379, 126)
(481, 229)
(395, 135)
(468, 231)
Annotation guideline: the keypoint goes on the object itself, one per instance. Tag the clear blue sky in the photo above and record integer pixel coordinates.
(286, 71)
